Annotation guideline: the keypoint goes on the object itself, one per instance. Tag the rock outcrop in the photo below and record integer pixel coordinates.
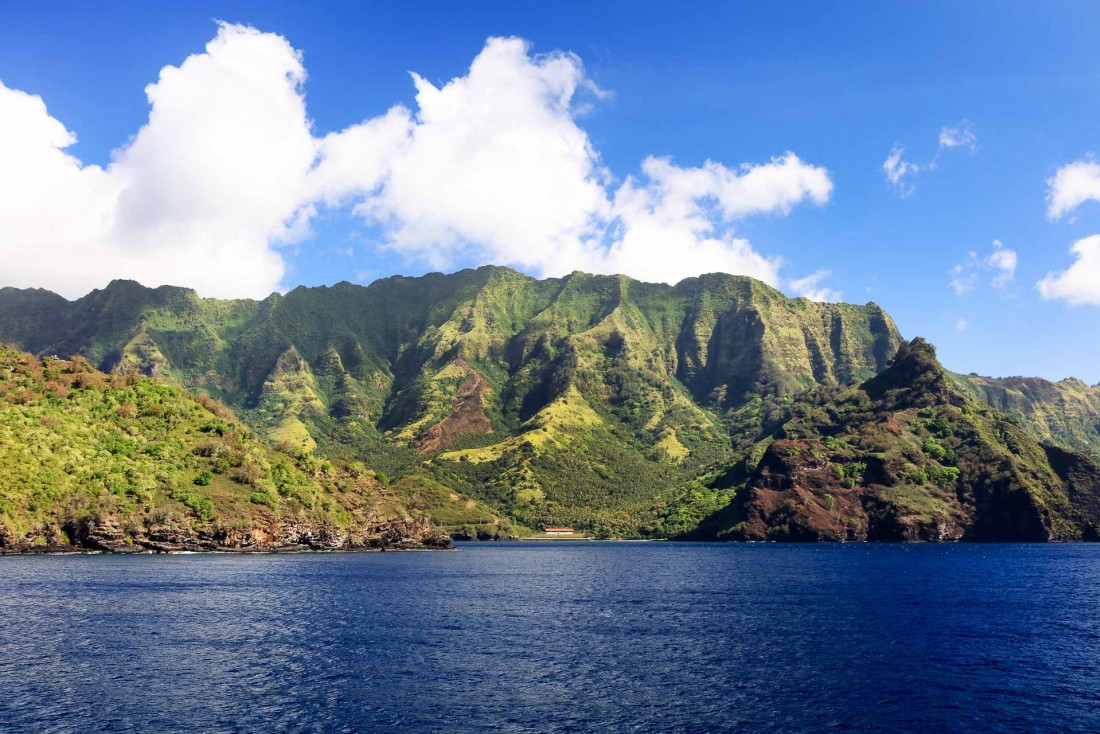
(906, 457)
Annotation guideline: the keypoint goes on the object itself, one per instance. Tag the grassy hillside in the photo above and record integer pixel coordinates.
(124, 461)
(497, 404)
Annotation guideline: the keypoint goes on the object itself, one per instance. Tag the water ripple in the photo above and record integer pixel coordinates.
(569, 637)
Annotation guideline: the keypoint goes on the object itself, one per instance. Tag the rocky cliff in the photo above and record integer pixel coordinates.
(496, 404)
(905, 456)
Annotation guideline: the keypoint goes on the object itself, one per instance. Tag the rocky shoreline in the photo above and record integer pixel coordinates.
(106, 536)
(152, 549)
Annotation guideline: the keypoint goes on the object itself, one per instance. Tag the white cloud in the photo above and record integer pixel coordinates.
(958, 136)
(810, 287)
(1074, 184)
(899, 171)
(1080, 283)
(963, 276)
(962, 325)
(670, 225)
(197, 197)
(1001, 264)
(496, 168)
(491, 166)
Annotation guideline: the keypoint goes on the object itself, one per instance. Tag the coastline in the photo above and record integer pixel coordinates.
(147, 549)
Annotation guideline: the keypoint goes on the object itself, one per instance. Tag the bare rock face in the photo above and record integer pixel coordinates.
(467, 415)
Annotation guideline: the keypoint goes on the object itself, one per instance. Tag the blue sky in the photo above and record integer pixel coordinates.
(841, 87)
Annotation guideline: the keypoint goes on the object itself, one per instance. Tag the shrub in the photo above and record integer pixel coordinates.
(943, 475)
(935, 449)
(204, 478)
(263, 498)
(913, 475)
(249, 474)
(939, 427)
(201, 506)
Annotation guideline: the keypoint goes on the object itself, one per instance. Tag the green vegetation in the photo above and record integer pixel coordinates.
(119, 458)
(621, 408)
(587, 400)
(904, 456)
(1066, 413)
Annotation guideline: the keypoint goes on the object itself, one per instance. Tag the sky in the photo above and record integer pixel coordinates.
(936, 158)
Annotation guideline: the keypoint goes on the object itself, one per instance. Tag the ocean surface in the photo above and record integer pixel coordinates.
(557, 637)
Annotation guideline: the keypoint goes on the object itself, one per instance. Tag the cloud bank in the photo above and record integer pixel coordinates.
(491, 166)
(1071, 186)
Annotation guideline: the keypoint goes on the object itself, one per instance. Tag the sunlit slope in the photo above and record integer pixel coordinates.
(584, 399)
(118, 461)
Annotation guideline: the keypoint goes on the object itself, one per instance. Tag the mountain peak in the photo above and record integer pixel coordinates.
(915, 378)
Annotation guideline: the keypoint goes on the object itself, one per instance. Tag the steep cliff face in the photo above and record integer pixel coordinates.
(904, 456)
(720, 340)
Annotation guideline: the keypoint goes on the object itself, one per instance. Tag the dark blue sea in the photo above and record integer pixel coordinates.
(557, 637)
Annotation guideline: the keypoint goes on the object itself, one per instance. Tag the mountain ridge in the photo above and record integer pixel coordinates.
(906, 456)
(595, 401)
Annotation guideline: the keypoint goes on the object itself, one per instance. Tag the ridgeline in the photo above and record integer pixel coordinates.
(494, 404)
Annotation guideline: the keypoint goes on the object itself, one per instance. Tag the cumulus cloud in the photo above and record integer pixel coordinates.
(1080, 283)
(1000, 265)
(198, 196)
(1073, 185)
(670, 221)
(491, 166)
(900, 172)
(497, 169)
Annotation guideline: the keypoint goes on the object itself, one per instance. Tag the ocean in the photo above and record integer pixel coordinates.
(557, 637)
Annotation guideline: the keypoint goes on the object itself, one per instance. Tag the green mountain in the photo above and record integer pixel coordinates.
(1065, 412)
(907, 456)
(123, 462)
(582, 400)
(497, 403)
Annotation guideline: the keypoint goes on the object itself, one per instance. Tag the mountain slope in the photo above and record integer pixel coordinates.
(1066, 412)
(584, 400)
(906, 456)
(124, 462)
